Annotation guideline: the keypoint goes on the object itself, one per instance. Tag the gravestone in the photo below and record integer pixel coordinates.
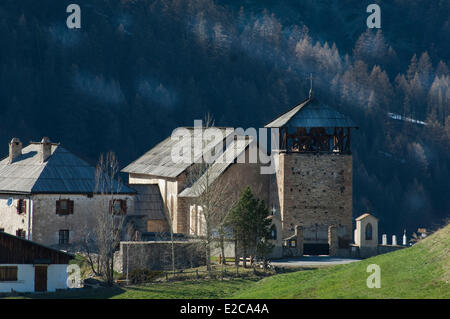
(394, 240)
(384, 240)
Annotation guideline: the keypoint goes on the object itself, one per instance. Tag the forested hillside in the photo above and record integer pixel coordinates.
(139, 68)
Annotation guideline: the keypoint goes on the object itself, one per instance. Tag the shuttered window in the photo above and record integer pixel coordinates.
(21, 206)
(293, 243)
(8, 273)
(64, 207)
(118, 206)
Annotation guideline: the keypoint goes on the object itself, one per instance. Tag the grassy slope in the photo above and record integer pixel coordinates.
(422, 271)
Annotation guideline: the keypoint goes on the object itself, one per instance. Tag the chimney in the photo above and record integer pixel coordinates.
(15, 149)
(46, 149)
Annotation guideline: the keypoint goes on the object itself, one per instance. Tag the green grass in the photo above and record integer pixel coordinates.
(422, 271)
(214, 289)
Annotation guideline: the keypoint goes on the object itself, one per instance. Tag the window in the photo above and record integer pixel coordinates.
(369, 231)
(118, 206)
(293, 243)
(64, 207)
(8, 273)
(21, 206)
(273, 232)
(64, 236)
(21, 233)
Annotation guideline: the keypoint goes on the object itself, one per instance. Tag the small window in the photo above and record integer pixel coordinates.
(369, 231)
(118, 206)
(64, 207)
(293, 243)
(21, 206)
(64, 236)
(8, 273)
(273, 232)
(21, 233)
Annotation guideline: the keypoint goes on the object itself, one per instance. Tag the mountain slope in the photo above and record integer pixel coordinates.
(422, 271)
(138, 69)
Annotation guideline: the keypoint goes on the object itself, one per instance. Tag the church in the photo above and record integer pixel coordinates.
(309, 193)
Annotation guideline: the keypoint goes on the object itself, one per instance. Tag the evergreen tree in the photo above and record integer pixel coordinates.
(250, 225)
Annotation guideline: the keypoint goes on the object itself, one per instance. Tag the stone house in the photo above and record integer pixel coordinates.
(48, 194)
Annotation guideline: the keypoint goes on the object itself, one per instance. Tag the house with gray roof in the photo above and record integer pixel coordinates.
(49, 195)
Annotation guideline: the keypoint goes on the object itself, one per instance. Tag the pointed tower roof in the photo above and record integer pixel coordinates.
(312, 113)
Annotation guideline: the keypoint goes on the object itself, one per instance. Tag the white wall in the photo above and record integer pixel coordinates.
(25, 280)
(360, 232)
(56, 279)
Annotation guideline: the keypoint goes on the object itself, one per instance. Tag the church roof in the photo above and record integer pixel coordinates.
(61, 173)
(311, 113)
(233, 151)
(159, 160)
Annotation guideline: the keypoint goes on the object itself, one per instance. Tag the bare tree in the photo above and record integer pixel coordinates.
(211, 199)
(101, 239)
(169, 218)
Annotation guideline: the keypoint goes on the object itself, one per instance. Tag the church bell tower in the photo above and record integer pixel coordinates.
(312, 187)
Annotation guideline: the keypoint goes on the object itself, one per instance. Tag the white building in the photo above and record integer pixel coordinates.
(27, 266)
(366, 235)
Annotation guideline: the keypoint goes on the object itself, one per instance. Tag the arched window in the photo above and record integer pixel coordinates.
(369, 231)
(273, 232)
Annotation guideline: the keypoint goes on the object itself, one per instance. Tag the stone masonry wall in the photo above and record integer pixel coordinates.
(10, 219)
(157, 255)
(46, 223)
(316, 192)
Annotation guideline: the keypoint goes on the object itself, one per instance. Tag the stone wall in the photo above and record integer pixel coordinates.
(333, 240)
(234, 180)
(157, 255)
(315, 191)
(366, 252)
(10, 219)
(384, 249)
(46, 223)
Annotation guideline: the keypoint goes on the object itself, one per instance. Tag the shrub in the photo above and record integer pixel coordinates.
(144, 275)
